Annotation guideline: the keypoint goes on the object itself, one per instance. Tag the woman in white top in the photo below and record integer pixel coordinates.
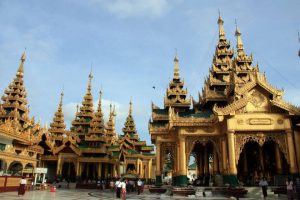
(21, 190)
(123, 192)
(289, 189)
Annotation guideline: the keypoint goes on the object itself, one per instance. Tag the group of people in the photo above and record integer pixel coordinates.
(291, 189)
(121, 186)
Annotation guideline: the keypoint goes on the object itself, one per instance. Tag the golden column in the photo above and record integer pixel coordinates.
(158, 163)
(278, 159)
(261, 158)
(182, 175)
(215, 162)
(297, 141)
(224, 157)
(206, 161)
(291, 151)
(78, 169)
(106, 170)
(231, 151)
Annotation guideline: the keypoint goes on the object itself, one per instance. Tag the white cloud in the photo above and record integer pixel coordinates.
(131, 8)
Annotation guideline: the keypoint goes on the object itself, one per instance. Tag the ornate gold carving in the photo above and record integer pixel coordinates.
(260, 121)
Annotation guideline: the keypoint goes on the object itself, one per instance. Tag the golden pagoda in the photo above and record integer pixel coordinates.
(240, 130)
(19, 135)
(135, 157)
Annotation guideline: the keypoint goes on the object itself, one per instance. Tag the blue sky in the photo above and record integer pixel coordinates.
(131, 45)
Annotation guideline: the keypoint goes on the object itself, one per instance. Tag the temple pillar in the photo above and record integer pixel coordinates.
(261, 159)
(59, 166)
(206, 161)
(215, 162)
(297, 141)
(182, 176)
(224, 157)
(106, 170)
(158, 163)
(291, 151)
(87, 170)
(232, 176)
(278, 159)
(77, 168)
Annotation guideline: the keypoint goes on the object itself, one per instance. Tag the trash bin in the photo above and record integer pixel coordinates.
(52, 188)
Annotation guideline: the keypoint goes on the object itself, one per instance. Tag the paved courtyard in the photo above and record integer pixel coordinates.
(72, 194)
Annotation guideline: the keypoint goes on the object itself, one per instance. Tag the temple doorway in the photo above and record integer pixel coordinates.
(205, 157)
(257, 161)
(68, 172)
(15, 168)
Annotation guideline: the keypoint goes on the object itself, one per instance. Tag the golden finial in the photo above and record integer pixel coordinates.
(61, 98)
(20, 71)
(176, 66)
(130, 106)
(239, 45)
(221, 27)
(77, 108)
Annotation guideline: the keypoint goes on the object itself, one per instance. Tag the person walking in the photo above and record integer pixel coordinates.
(123, 190)
(118, 188)
(264, 186)
(22, 187)
(289, 189)
(139, 186)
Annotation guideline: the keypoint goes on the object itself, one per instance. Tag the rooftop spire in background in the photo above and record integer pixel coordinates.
(221, 28)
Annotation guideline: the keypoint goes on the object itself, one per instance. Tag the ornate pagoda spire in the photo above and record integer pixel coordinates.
(97, 123)
(57, 127)
(176, 95)
(242, 63)
(221, 28)
(218, 84)
(129, 126)
(110, 127)
(84, 116)
(14, 98)
(239, 44)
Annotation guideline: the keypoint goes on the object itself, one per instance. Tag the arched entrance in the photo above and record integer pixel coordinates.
(15, 168)
(68, 171)
(28, 169)
(206, 158)
(257, 161)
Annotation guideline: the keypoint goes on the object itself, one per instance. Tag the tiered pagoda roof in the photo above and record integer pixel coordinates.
(129, 144)
(15, 123)
(176, 96)
(218, 85)
(83, 118)
(110, 126)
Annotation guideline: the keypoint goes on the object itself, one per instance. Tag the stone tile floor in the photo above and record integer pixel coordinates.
(72, 194)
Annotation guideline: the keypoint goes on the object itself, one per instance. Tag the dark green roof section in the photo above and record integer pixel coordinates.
(132, 151)
(115, 153)
(159, 123)
(199, 114)
(114, 146)
(152, 146)
(148, 154)
(161, 111)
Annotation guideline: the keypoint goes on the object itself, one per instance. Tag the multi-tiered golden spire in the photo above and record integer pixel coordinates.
(110, 127)
(129, 126)
(242, 63)
(57, 127)
(81, 123)
(97, 124)
(14, 99)
(219, 82)
(176, 95)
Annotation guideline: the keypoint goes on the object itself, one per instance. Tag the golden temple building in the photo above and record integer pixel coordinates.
(89, 151)
(240, 130)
